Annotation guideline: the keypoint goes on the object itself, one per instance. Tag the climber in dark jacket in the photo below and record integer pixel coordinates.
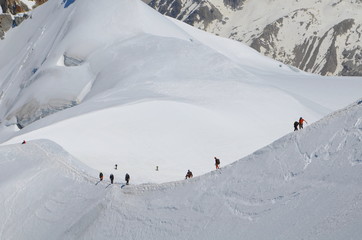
(127, 177)
(112, 178)
(296, 124)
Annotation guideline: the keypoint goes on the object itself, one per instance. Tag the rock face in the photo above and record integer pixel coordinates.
(198, 11)
(12, 13)
(234, 4)
(6, 22)
(13, 6)
(322, 37)
(39, 2)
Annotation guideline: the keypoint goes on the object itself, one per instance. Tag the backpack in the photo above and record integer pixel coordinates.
(217, 161)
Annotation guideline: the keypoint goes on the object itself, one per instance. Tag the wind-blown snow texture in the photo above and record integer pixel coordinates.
(305, 185)
(116, 82)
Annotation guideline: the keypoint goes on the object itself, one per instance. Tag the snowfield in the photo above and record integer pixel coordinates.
(305, 185)
(91, 84)
(131, 87)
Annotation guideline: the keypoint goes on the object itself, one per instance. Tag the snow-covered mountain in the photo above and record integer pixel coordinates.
(322, 37)
(129, 86)
(90, 84)
(305, 185)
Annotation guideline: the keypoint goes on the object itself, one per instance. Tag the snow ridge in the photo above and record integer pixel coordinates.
(305, 184)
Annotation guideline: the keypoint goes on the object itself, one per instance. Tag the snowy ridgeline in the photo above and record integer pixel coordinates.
(306, 185)
(140, 90)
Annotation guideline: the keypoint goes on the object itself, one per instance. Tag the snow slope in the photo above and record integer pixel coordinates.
(115, 82)
(43, 191)
(305, 185)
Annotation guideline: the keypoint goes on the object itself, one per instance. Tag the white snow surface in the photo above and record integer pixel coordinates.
(305, 185)
(128, 86)
(149, 91)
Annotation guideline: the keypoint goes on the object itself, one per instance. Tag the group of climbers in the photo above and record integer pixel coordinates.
(127, 177)
(111, 177)
(299, 124)
(217, 165)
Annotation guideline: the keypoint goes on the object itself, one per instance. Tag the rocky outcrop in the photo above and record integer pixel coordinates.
(18, 19)
(6, 22)
(316, 54)
(14, 13)
(352, 65)
(198, 12)
(39, 2)
(13, 6)
(234, 4)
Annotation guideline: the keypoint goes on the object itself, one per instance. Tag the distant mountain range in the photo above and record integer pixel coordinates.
(322, 37)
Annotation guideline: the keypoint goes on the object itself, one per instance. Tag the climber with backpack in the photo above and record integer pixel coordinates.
(217, 162)
(111, 177)
(296, 124)
(301, 121)
(127, 177)
(189, 174)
